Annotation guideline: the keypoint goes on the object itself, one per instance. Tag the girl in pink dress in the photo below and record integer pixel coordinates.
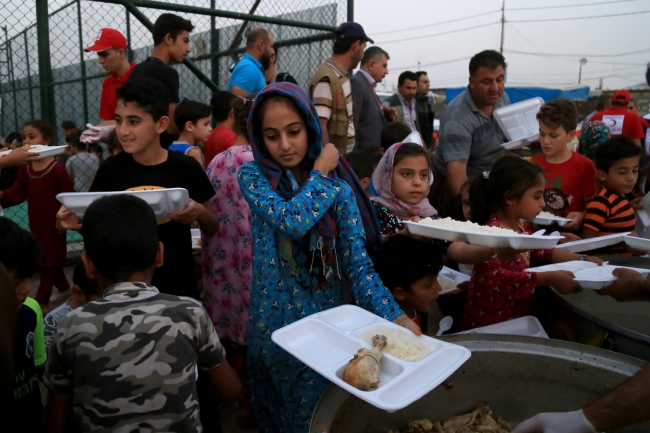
(38, 183)
(227, 257)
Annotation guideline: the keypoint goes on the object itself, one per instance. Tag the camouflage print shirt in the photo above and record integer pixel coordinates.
(129, 360)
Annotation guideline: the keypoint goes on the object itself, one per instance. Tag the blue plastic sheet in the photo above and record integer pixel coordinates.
(518, 94)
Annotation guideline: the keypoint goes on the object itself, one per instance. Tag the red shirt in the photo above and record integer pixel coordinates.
(568, 183)
(621, 121)
(220, 139)
(500, 291)
(109, 98)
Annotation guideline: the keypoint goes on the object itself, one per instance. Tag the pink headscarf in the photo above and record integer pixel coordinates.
(381, 181)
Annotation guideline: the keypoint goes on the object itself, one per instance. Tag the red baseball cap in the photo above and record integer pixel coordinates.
(108, 38)
(621, 96)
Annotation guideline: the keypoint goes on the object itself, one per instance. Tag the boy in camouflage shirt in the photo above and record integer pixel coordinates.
(127, 362)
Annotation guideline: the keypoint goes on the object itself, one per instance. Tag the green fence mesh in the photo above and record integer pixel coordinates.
(217, 42)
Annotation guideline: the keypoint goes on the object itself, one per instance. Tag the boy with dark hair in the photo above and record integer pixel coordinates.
(84, 290)
(409, 269)
(391, 133)
(364, 164)
(609, 211)
(171, 38)
(19, 254)
(81, 166)
(70, 130)
(97, 150)
(128, 362)
(222, 136)
(570, 177)
(141, 115)
(192, 119)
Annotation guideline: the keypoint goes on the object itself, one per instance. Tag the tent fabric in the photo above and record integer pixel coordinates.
(518, 94)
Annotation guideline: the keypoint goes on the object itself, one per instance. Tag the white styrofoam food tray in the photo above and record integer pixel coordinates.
(430, 231)
(547, 221)
(327, 341)
(493, 240)
(43, 151)
(453, 276)
(527, 325)
(644, 215)
(638, 243)
(162, 201)
(593, 243)
(519, 122)
(196, 239)
(572, 266)
(601, 276)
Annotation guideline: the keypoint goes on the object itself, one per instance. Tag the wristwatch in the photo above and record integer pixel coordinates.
(584, 258)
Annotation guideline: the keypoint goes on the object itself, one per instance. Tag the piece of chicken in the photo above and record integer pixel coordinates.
(362, 371)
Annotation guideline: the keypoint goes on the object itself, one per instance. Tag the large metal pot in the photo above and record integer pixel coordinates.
(516, 376)
(601, 321)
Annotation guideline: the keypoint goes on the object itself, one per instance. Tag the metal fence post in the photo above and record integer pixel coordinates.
(214, 45)
(44, 65)
(129, 54)
(350, 10)
(29, 78)
(84, 90)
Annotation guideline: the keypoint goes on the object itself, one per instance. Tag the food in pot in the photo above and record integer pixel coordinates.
(400, 345)
(479, 421)
(362, 371)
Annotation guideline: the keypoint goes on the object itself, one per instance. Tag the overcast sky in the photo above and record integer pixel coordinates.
(417, 31)
(557, 46)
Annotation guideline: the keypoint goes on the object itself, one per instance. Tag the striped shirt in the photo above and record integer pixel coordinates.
(323, 101)
(608, 213)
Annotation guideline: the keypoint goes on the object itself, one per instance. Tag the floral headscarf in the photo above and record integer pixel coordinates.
(312, 259)
(592, 135)
(381, 181)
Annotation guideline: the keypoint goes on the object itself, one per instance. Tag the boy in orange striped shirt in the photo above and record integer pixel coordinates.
(609, 211)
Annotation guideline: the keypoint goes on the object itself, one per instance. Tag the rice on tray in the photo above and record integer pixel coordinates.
(446, 284)
(545, 214)
(465, 225)
(399, 344)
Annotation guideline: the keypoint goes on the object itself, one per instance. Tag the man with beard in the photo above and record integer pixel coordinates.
(330, 87)
(367, 127)
(248, 76)
(470, 137)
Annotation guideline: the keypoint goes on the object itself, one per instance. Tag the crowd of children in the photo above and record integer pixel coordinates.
(289, 228)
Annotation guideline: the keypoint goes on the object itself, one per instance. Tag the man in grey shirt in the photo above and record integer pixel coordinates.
(470, 137)
(81, 166)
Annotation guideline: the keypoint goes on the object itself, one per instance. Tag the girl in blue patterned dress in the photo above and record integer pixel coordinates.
(308, 246)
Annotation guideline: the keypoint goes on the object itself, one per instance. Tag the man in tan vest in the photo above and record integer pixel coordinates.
(330, 87)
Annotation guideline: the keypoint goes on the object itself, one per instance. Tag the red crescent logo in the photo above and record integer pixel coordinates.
(611, 122)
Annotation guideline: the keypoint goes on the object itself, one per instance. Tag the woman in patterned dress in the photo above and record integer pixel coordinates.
(308, 243)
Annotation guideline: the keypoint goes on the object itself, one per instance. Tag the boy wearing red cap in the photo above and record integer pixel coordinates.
(620, 120)
(110, 46)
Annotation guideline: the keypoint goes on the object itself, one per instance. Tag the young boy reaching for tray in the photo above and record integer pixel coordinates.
(409, 269)
(609, 212)
(128, 362)
(570, 177)
(141, 116)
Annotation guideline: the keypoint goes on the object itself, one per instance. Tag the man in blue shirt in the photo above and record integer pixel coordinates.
(248, 75)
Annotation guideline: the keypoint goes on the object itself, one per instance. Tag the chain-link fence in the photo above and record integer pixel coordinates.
(45, 74)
